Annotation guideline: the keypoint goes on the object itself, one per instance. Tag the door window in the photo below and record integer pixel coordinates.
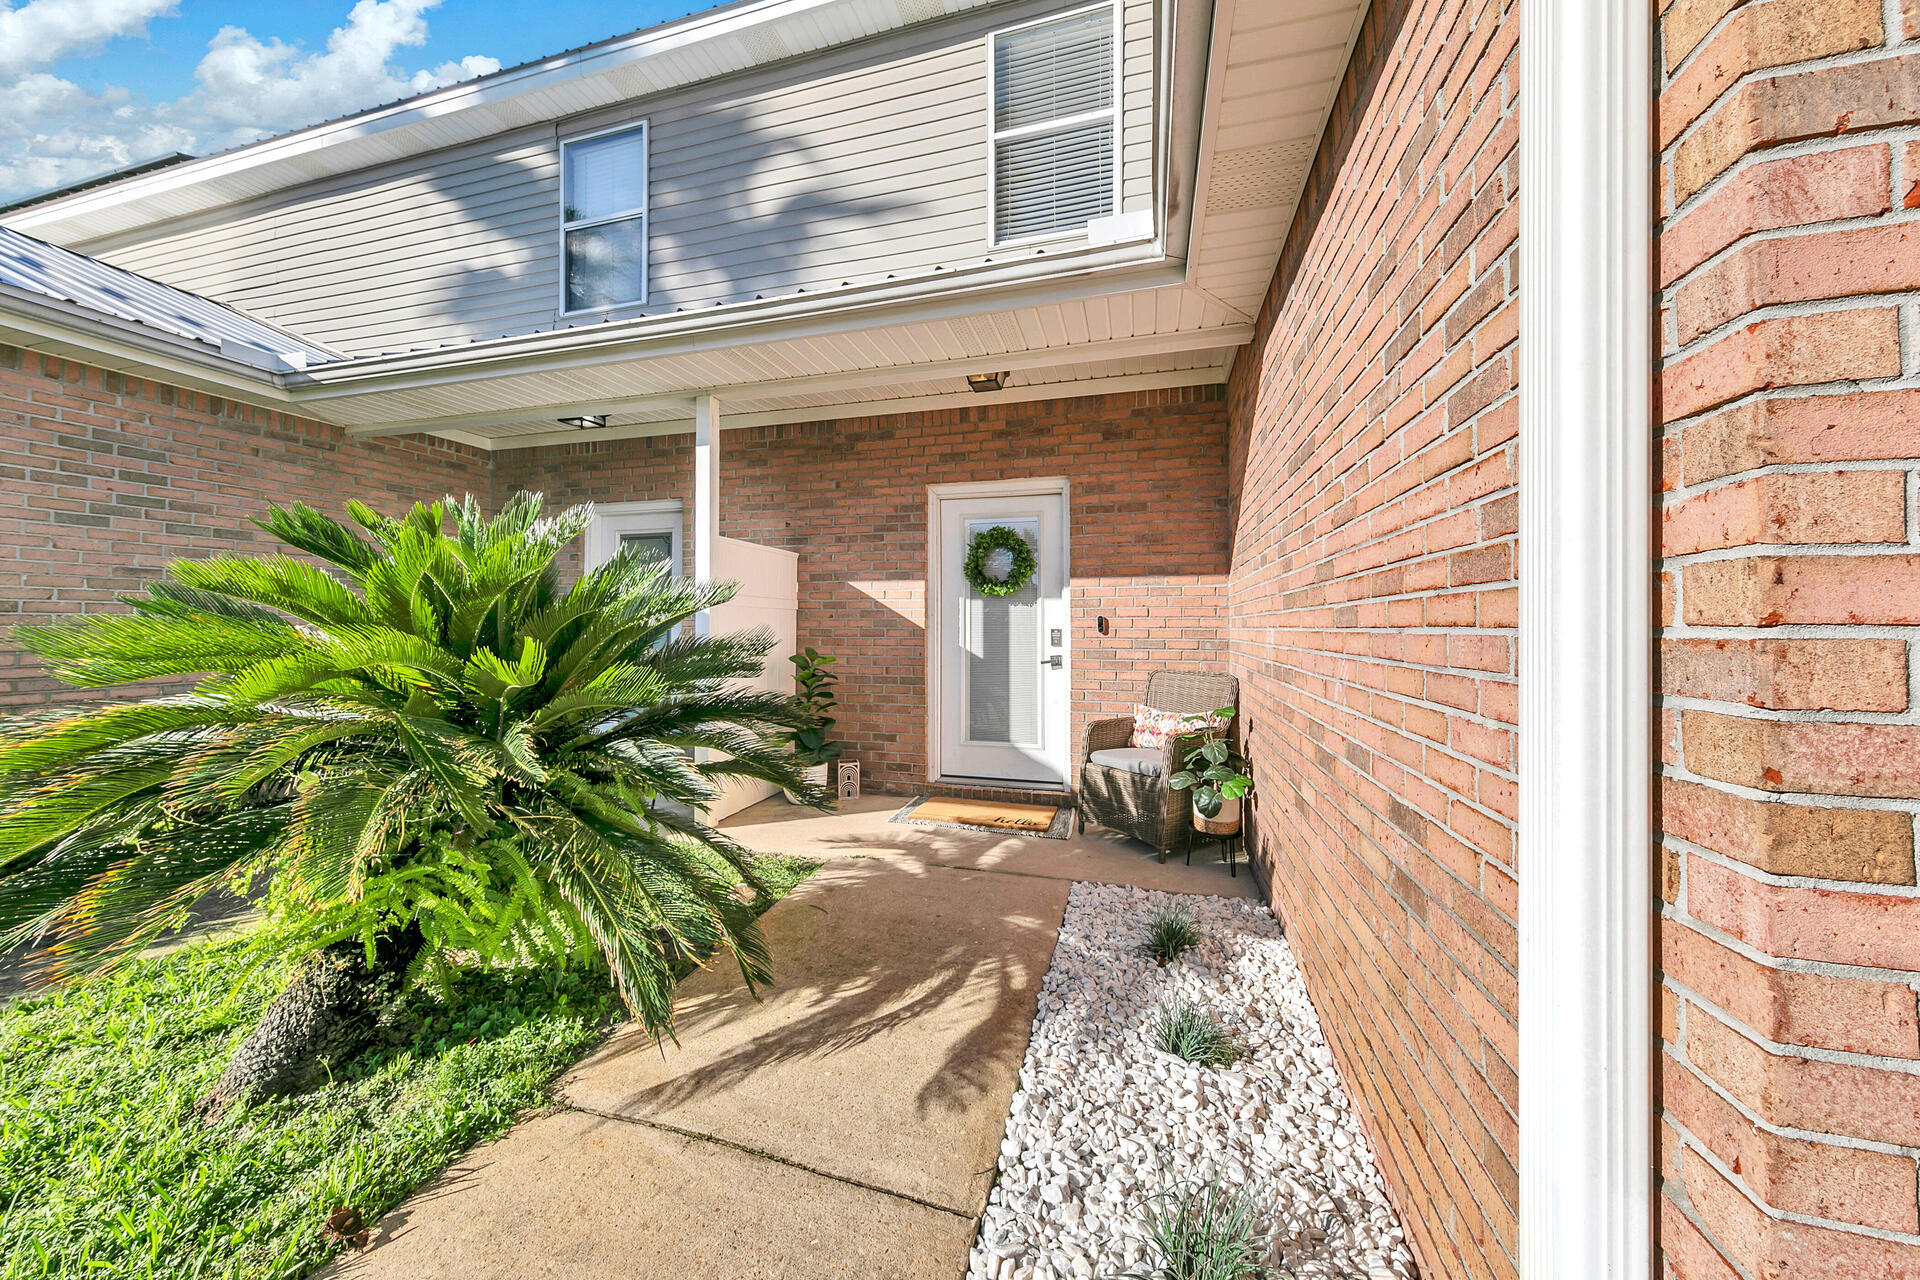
(652, 546)
(1003, 653)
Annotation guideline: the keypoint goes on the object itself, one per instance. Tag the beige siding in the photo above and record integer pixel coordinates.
(845, 167)
(1138, 61)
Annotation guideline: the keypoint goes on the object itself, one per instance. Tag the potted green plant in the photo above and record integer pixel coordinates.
(812, 745)
(1218, 777)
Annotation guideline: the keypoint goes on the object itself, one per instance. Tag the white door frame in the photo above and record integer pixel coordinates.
(1586, 574)
(1037, 486)
(662, 516)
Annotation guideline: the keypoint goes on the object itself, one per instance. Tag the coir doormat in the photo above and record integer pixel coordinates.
(1049, 822)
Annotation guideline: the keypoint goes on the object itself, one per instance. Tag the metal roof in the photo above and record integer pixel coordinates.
(100, 179)
(35, 266)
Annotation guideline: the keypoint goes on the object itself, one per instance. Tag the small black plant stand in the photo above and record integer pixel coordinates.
(1227, 844)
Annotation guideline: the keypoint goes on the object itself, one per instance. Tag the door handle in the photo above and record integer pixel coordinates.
(1056, 662)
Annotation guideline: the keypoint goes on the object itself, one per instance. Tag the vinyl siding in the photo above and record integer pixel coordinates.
(844, 167)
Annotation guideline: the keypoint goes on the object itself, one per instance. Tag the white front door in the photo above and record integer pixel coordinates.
(1000, 663)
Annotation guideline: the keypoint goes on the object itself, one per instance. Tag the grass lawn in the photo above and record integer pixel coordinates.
(103, 1171)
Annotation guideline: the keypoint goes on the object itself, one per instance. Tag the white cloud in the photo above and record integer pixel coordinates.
(53, 131)
(44, 31)
(247, 81)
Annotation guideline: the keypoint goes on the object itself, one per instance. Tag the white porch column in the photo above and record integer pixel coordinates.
(706, 494)
(1585, 848)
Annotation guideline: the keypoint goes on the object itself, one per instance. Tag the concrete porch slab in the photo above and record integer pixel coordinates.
(847, 1124)
(888, 1052)
(577, 1196)
(860, 828)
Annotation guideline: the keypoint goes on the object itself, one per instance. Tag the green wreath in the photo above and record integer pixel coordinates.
(998, 538)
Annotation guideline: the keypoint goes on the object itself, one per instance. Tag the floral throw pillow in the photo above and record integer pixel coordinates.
(1153, 729)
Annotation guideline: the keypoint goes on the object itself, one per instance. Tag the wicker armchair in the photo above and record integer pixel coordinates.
(1133, 797)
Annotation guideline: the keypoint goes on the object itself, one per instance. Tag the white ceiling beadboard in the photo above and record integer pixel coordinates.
(1149, 325)
(1283, 65)
(757, 408)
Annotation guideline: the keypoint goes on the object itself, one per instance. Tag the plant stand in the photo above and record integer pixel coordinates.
(1227, 833)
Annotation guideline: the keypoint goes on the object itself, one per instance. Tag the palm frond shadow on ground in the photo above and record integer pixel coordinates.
(832, 1003)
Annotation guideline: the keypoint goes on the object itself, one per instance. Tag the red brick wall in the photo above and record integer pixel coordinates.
(105, 478)
(1148, 520)
(108, 478)
(1372, 608)
(1790, 405)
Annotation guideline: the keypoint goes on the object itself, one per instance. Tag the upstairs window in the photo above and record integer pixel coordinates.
(603, 219)
(1055, 129)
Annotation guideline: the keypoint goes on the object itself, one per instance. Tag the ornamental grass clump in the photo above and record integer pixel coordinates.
(1187, 1031)
(1171, 931)
(425, 749)
(1203, 1232)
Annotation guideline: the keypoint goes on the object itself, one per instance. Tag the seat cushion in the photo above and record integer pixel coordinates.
(1132, 759)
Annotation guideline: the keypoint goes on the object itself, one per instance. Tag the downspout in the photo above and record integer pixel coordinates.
(1586, 581)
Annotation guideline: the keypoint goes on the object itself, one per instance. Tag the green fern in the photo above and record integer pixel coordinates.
(422, 726)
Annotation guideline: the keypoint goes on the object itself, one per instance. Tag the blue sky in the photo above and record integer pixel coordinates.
(90, 85)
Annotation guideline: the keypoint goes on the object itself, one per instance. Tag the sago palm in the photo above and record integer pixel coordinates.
(423, 745)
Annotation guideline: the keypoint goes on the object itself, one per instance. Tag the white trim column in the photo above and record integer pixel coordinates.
(1585, 860)
(706, 494)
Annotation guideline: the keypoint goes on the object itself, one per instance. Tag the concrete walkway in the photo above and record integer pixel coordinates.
(846, 1124)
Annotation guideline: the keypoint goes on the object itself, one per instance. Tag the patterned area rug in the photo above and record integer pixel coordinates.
(1046, 821)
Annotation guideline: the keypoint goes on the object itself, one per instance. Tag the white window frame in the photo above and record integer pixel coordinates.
(996, 136)
(613, 519)
(645, 213)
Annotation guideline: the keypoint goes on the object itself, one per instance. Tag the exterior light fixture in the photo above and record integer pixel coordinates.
(987, 381)
(586, 421)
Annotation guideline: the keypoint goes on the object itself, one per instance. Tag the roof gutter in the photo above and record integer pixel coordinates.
(938, 295)
(1191, 61)
(38, 323)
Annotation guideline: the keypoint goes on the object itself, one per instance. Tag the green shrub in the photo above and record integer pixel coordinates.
(1186, 1031)
(423, 743)
(1203, 1233)
(1171, 931)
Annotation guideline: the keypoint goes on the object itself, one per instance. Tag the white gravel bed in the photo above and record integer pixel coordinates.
(1103, 1122)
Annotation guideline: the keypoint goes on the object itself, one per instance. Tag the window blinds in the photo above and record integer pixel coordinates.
(1054, 125)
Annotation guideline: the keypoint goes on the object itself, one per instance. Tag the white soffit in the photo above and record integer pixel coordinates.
(1144, 324)
(1275, 71)
(750, 408)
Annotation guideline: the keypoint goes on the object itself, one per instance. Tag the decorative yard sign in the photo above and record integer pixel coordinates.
(999, 562)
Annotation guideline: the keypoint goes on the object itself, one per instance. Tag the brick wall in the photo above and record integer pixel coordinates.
(1372, 608)
(1789, 253)
(1148, 523)
(106, 478)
